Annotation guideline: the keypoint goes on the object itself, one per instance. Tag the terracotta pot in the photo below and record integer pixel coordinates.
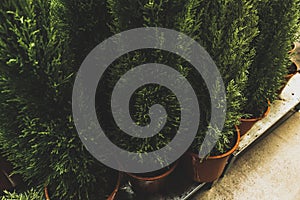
(114, 193)
(7, 182)
(286, 78)
(144, 184)
(246, 124)
(295, 55)
(289, 76)
(292, 69)
(110, 197)
(210, 169)
(295, 48)
(46, 193)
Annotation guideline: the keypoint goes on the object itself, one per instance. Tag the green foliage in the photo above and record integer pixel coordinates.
(84, 22)
(130, 14)
(142, 14)
(278, 25)
(37, 133)
(29, 195)
(225, 29)
(42, 44)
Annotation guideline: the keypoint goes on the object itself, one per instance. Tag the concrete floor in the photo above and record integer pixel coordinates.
(270, 170)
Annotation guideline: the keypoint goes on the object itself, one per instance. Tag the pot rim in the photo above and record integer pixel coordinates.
(290, 75)
(228, 152)
(110, 197)
(259, 118)
(296, 45)
(116, 189)
(174, 165)
(46, 193)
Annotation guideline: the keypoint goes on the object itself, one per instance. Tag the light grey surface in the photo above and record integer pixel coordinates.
(270, 170)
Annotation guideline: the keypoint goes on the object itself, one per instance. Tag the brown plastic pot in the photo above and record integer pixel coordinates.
(295, 48)
(289, 76)
(110, 197)
(295, 55)
(144, 184)
(46, 193)
(7, 181)
(286, 78)
(210, 169)
(5, 184)
(114, 193)
(246, 124)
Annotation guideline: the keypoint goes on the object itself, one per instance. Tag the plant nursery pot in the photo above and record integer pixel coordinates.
(295, 47)
(110, 197)
(210, 169)
(289, 76)
(295, 56)
(151, 184)
(246, 124)
(114, 193)
(286, 78)
(7, 182)
(46, 193)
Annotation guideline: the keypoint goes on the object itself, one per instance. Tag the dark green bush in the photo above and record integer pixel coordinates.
(225, 29)
(143, 14)
(37, 133)
(42, 44)
(278, 24)
(84, 22)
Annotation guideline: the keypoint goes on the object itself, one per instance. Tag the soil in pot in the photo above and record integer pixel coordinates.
(152, 182)
(210, 169)
(246, 124)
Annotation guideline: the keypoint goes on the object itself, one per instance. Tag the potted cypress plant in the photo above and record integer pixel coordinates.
(212, 167)
(142, 14)
(226, 30)
(37, 134)
(278, 25)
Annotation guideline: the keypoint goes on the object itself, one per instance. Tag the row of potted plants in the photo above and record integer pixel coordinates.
(43, 44)
(258, 81)
(272, 61)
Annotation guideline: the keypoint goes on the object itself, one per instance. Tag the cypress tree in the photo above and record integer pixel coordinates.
(128, 15)
(84, 22)
(278, 24)
(42, 45)
(37, 133)
(225, 28)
